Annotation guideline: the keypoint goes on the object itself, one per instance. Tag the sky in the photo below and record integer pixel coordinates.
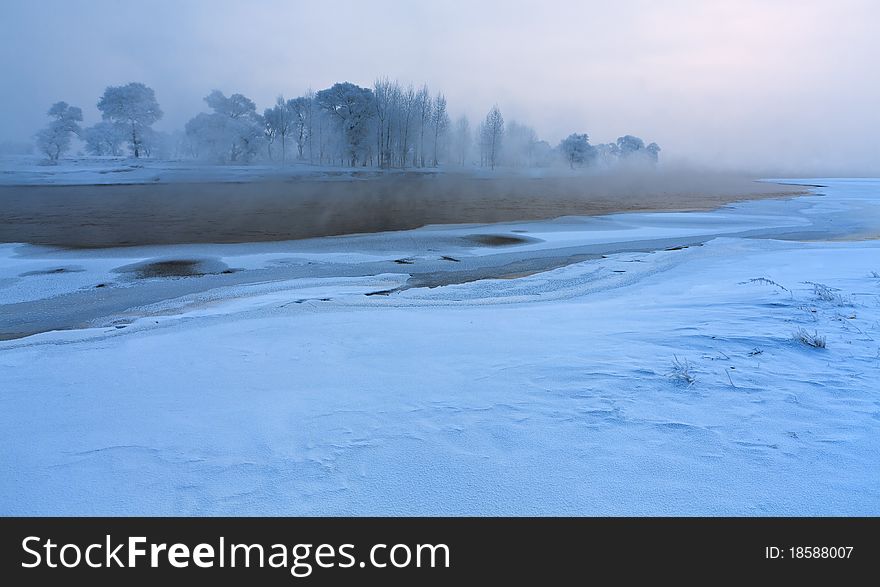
(772, 86)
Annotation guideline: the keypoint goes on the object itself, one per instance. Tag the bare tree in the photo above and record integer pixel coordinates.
(423, 117)
(300, 111)
(278, 123)
(492, 135)
(406, 112)
(439, 122)
(310, 122)
(383, 90)
(462, 139)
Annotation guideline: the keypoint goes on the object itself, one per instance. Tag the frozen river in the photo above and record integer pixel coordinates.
(46, 288)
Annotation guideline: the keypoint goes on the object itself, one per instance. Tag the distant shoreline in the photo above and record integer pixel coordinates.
(261, 210)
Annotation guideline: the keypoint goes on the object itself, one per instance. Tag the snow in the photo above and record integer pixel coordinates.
(292, 392)
(92, 170)
(615, 228)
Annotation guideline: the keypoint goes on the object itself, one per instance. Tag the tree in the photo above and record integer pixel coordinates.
(543, 155)
(462, 139)
(386, 98)
(233, 132)
(301, 112)
(54, 140)
(577, 149)
(207, 135)
(405, 114)
(629, 145)
(105, 138)
(439, 122)
(423, 116)
(608, 153)
(351, 107)
(306, 110)
(156, 143)
(519, 144)
(407, 124)
(629, 149)
(278, 123)
(492, 135)
(66, 116)
(133, 105)
(236, 106)
(181, 145)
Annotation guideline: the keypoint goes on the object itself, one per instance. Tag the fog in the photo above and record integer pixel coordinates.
(202, 211)
(776, 88)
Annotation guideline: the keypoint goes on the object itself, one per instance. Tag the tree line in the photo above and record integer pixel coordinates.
(387, 126)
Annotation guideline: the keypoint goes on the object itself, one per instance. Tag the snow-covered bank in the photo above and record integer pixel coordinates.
(51, 289)
(32, 170)
(549, 393)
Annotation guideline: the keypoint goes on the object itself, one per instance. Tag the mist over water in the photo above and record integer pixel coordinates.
(272, 210)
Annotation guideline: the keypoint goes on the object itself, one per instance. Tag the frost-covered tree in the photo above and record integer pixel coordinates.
(66, 116)
(627, 149)
(278, 124)
(492, 136)
(633, 149)
(577, 149)
(156, 144)
(439, 124)
(233, 133)
(388, 125)
(405, 125)
(301, 112)
(462, 139)
(607, 153)
(543, 155)
(401, 125)
(519, 144)
(207, 135)
(629, 145)
(236, 106)
(423, 107)
(309, 126)
(133, 106)
(322, 142)
(54, 140)
(181, 146)
(351, 108)
(386, 96)
(105, 138)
